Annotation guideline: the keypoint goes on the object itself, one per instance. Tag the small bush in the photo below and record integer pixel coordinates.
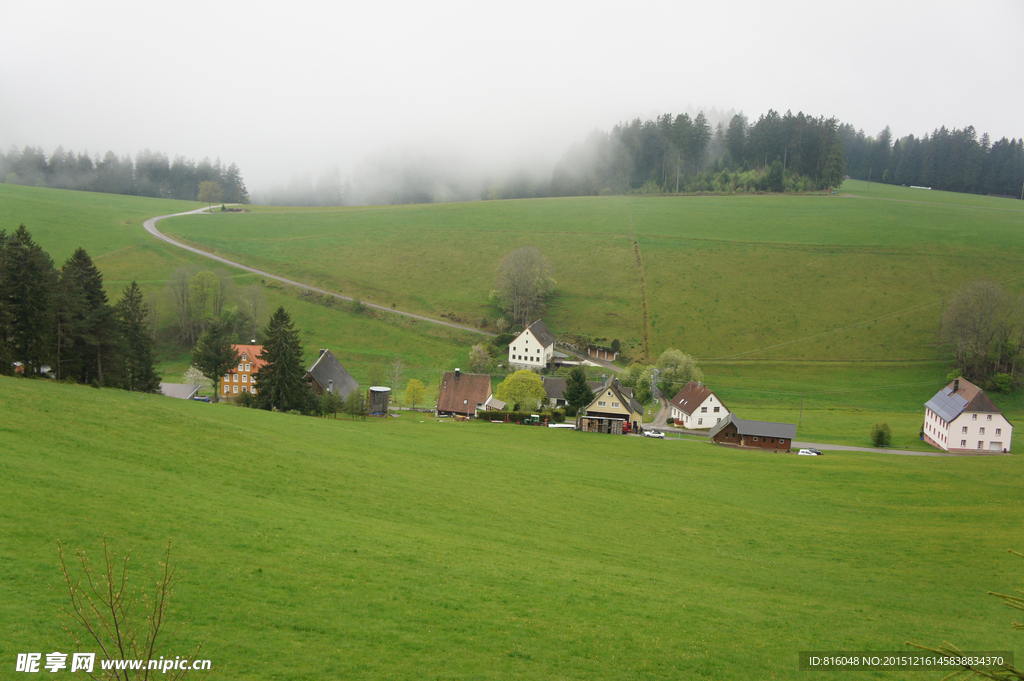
(881, 435)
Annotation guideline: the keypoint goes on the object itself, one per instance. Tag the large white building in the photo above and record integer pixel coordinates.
(961, 417)
(533, 348)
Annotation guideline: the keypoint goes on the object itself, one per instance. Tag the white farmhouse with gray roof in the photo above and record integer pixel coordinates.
(961, 417)
(533, 348)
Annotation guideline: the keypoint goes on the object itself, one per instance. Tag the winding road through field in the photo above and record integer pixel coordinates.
(150, 226)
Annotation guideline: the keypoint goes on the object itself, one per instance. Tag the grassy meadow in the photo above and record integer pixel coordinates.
(409, 548)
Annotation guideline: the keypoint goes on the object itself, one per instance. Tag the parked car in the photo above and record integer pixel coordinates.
(809, 452)
(654, 433)
(201, 399)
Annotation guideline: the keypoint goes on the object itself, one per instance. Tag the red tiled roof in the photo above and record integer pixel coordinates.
(252, 355)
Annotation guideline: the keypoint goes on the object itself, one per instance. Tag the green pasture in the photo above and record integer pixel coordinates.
(756, 277)
(409, 548)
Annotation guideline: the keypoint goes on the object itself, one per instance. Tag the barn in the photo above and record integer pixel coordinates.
(777, 437)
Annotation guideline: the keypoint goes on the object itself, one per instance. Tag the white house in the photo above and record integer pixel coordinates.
(697, 407)
(533, 348)
(961, 417)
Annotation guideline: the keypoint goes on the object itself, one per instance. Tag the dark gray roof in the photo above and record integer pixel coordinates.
(758, 428)
(542, 333)
(182, 391)
(327, 372)
(947, 404)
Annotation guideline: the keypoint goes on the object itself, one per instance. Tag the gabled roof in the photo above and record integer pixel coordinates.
(252, 355)
(182, 391)
(624, 397)
(326, 369)
(692, 396)
(542, 333)
(555, 387)
(462, 392)
(755, 428)
(968, 397)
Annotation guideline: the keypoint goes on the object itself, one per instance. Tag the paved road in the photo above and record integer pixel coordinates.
(150, 226)
(903, 452)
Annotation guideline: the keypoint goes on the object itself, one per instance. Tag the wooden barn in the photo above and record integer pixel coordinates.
(777, 437)
(463, 394)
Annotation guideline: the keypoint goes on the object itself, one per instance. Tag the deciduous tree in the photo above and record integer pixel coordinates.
(210, 192)
(524, 279)
(524, 389)
(414, 392)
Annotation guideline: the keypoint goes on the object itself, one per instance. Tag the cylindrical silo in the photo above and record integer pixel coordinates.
(377, 400)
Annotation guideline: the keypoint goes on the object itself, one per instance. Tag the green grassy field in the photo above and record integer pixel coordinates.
(409, 549)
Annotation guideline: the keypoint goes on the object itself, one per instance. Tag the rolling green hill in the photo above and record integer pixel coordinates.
(407, 548)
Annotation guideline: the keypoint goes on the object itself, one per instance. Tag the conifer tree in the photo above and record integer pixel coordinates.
(279, 380)
(137, 371)
(577, 393)
(26, 291)
(214, 354)
(88, 338)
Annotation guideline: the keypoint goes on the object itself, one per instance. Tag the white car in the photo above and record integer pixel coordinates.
(809, 452)
(654, 433)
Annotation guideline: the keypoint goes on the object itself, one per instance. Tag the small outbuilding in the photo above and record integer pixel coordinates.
(181, 391)
(776, 437)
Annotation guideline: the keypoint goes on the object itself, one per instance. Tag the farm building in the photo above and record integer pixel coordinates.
(696, 406)
(463, 394)
(961, 417)
(598, 352)
(327, 375)
(533, 348)
(755, 434)
(612, 411)
(242, 379)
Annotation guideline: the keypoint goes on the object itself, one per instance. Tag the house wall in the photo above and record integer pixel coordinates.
(610, 399)
(527, 352)
(981, 432)
(239, 380)
(936, 430)
(700, 418)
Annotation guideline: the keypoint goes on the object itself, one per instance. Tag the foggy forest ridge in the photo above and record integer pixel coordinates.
(707, 150)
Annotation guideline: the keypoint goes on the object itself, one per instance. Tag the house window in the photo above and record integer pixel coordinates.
(989, 417)
(964, 430)
(601, 404)
(974, 417)
(963, 443)
(981, 431)
(253, 391)
(240, 367)
(999, 431)
(245, 378)
(465, 401)
(700, 422)
(227, 377)
(245, 389)
(225, 390)
(718, 420)
(716, 410)
(615, 404)
(248, 367)
(235, 378)
(235, 390)
(703, 410)
(755, 439)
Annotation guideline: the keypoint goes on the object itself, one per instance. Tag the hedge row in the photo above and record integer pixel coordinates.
(554, 416)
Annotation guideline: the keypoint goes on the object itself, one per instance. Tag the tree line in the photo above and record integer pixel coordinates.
(151, 174)
(672, 154)
(954, 160)
(59, 323)
(983, 325)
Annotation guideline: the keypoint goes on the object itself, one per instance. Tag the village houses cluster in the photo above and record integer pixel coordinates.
(959, 418)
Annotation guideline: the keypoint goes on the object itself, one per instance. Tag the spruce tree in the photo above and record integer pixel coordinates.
(137, 371)
(214, 354)
(88, 340)
(29, 279)
(279, 380)
(577, 393)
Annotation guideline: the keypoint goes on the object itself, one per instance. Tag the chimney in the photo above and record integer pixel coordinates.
(956, 385)
(322, 351)
(253, 341)
(456, 372)
(330, 386)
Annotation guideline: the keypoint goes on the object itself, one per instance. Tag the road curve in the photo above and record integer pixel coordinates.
(150, 226)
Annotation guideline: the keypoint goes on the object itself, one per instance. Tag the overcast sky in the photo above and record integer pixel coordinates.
(287, 88)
